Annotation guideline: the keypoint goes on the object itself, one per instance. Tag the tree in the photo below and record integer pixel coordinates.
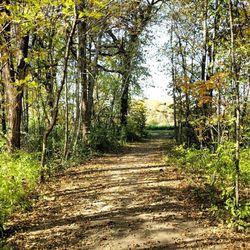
(14, 43)
(55, 108)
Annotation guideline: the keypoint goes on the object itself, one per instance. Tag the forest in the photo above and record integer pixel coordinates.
(70, 92)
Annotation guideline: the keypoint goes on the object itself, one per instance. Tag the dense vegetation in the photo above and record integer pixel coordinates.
(209, 51)
(69, 70)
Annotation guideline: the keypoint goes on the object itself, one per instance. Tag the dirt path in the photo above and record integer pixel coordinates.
(131, 200)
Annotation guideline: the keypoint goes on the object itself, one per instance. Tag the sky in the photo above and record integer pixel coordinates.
(156, 86)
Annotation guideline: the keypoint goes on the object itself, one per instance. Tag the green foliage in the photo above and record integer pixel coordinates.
(32, 141)
(103, 138)
(239, 218)
(19, 174)
(218, 166)
(135, 129)
(79, 154)
(56, 142)
(245, 166)
(218, 173)
(158, 127)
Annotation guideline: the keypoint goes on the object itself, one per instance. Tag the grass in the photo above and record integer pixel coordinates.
(19, 175)
(159, 127)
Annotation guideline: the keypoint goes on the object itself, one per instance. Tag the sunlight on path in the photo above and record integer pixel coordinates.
(122, 201)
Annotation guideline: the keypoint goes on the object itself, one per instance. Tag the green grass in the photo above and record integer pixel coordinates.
(19, 174)
(159, 127)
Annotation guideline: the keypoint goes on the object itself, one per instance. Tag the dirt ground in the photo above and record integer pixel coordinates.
(130, 200)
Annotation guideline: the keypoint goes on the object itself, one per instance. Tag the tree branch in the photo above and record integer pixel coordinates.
(109, 70)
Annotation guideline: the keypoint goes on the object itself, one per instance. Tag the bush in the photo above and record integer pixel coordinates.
(103, 139)
(19, 173)
(159, 127)
(136, 121)
(218, 170)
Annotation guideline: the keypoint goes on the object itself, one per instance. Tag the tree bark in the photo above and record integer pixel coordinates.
(14, 93)
(235, 84)
(13, 69)
(174, 85)
(54, 112)
(3, 110)
(26, 110)
(125, 95)
(83, 73)
(66, 120)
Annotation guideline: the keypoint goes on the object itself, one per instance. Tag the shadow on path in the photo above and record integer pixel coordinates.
(131, 200)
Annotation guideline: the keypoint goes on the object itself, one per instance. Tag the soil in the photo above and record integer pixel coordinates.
(128, 200)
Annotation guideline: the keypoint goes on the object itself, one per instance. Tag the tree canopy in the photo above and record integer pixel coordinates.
(68, 70)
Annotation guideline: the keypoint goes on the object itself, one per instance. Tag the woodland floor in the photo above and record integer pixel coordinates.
(129, 200)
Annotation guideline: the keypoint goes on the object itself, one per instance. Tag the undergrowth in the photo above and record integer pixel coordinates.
(159, 127)
(213, 174)
(19, 174)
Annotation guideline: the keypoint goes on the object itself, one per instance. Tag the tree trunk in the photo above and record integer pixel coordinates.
(3, 111)
(66, 120)
(26, 110)
(235, 83)
(204, 73)
(92, 79)
(205, 39)
(14, 94)
(54, 112)
(187, 101)
(11, 72)
(77, 124)
(124, 100)
(82, 67)
(126, 77)
(174, 85)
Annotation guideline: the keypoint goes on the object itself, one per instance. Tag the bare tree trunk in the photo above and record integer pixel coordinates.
(92, 79)
(126, 77)
(219, 133)
(66, 131)
(187, 101)
(54, 112)
(174, 86)
(205, 38)
(126, 72)
(14, 93)
(111, 116)
(204, 70)
(82, 67)
(3, 110)
(124, 99)
(26, 110)
(235, 84)
(77, 127)
(211, 70)
(180, 117)
(77, 124)
(10, 73)
(244, 117)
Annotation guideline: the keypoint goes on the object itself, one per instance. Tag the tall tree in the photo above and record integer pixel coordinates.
(235, 85)
(55, 109)
(14, 43)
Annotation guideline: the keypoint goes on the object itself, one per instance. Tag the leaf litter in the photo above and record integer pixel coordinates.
(128, 200)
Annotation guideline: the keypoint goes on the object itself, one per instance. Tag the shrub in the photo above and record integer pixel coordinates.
(136, 121)
(159, 127)
(103, 139)
(218, 169)
(19, 174)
